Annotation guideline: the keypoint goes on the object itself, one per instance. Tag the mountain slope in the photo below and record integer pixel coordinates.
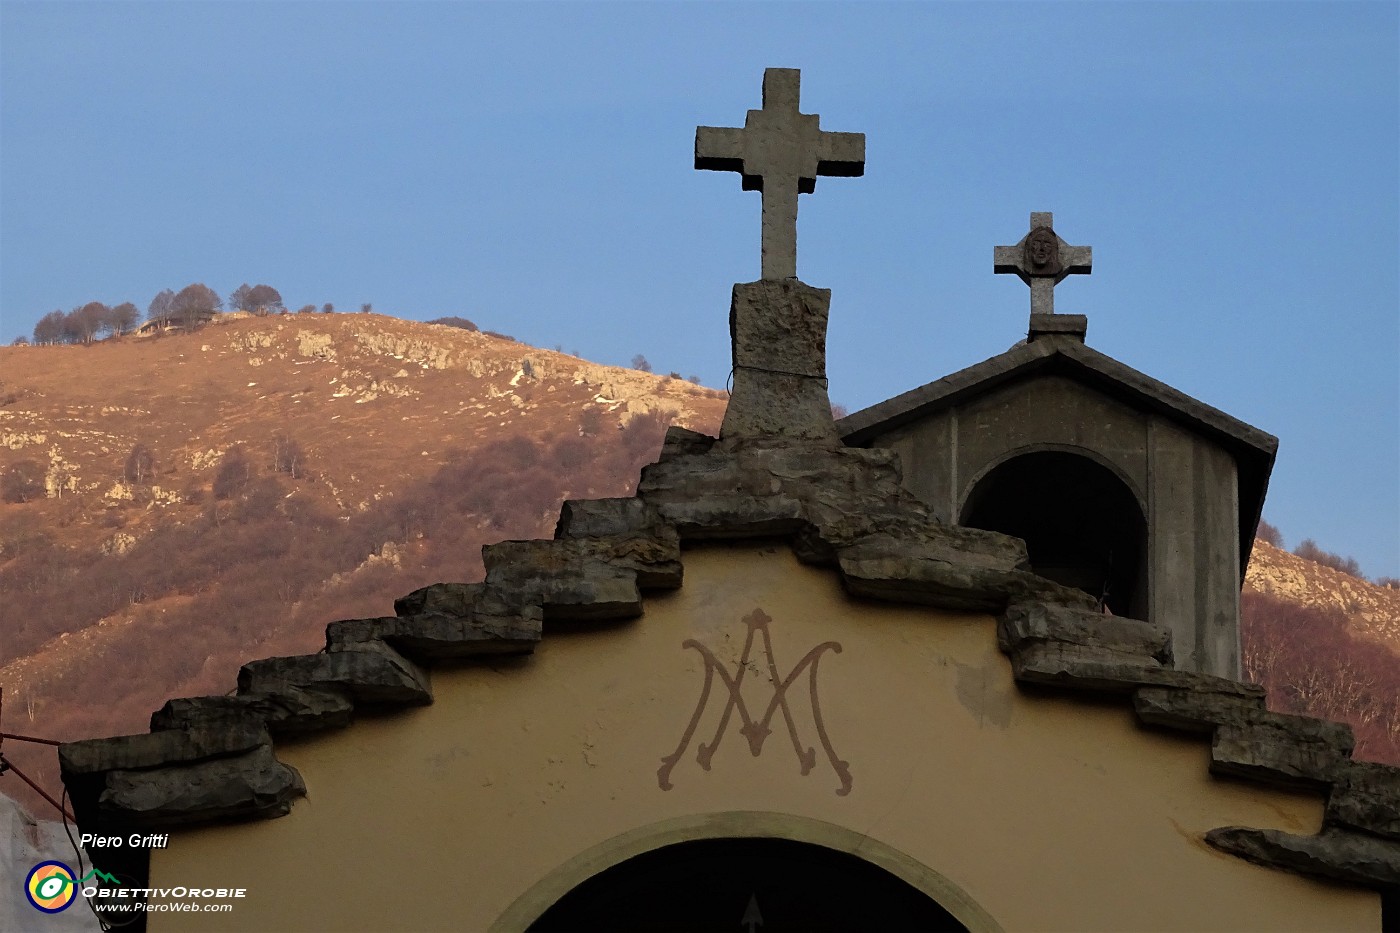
(1325, 644)
(178, 505)
(1373, 612)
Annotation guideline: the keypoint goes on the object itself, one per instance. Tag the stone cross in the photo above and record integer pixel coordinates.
(780, 153)
(1042, 260)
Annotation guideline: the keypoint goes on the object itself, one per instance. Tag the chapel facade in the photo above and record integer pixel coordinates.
(788, 685)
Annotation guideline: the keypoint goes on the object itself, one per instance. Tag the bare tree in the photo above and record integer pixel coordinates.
(1261, 654)
(590, 422)
(1309, 550)
(23, 482)
(50, 328)
(194, 305)
(233, 474)
(140, 465)
(72, 331)
(264, 299)
(1269, 534)
(288, 456)
(453, 320)
(306, 309)
(90, 320)
(366, 308)
(328, 308)
(238, 298)
(161, 306)
(122, 318)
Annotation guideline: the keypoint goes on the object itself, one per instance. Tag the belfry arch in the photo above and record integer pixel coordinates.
(1082, 524)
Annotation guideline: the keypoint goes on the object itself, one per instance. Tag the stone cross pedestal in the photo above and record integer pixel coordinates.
(1042, 260)
(778, 329)
(778, 324)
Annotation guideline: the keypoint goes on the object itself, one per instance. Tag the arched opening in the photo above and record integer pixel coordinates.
(1082, 524)
(766, 884)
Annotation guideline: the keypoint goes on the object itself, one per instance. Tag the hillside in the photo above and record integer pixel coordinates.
(177, 505)
(1372, 612)
(173, 506)
(1324, 643)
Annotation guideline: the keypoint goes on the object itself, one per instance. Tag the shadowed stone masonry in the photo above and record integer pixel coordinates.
(778, 331)
(211, 758)
(778, 470)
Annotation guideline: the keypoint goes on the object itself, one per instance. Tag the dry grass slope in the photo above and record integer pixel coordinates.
(190, 502)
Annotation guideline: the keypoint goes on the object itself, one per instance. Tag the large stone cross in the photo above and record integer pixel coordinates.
(780, 153)
(1042, 260)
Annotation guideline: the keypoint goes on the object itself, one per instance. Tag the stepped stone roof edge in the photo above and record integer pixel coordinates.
(211, 759)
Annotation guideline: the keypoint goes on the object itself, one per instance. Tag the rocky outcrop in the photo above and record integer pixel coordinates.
(1373, 610)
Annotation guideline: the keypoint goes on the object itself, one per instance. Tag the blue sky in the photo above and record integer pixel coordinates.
(1234, 167)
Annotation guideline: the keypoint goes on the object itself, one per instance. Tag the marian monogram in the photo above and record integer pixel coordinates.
(756, 731)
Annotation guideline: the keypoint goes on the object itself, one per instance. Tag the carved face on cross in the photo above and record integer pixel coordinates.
(1042, 260)
(1042, 252)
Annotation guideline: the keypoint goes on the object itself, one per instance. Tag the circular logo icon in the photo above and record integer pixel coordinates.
(50, 887)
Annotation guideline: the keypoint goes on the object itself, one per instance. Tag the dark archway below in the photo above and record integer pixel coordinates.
(1082, 525)
(707, 885)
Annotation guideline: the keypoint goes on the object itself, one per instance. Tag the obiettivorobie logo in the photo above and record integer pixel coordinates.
(51, 887)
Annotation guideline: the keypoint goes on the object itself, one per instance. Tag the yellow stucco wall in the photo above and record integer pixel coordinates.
(1027, 813)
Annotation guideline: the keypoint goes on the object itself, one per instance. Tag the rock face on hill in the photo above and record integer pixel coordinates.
(1372, 611)
(179, 504)
(372, 395)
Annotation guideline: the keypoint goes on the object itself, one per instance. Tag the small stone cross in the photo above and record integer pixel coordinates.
(780, 153)
(1042, 260)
